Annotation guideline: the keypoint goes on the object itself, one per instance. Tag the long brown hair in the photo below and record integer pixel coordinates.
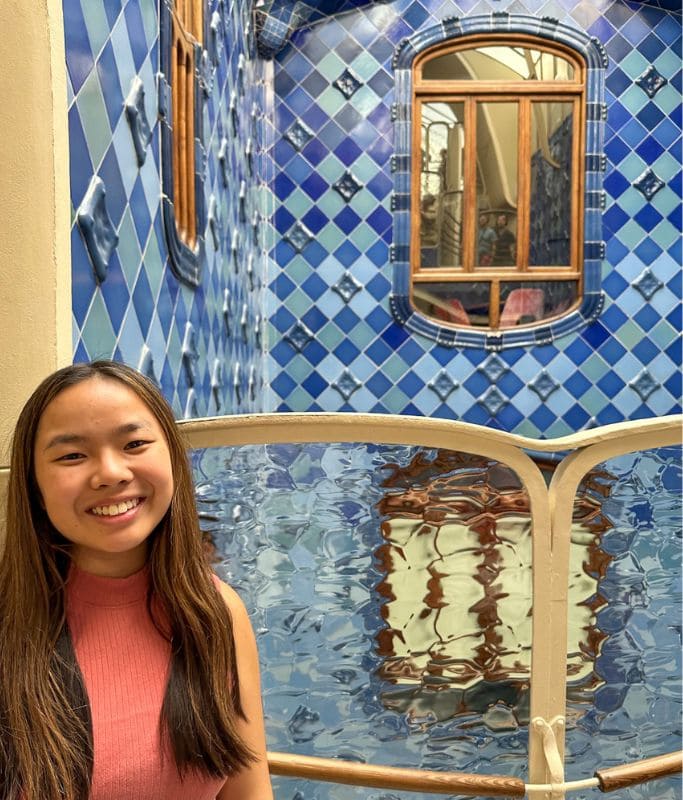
(46, 745)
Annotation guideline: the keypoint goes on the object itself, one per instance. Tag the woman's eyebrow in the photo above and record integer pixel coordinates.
(77, 438)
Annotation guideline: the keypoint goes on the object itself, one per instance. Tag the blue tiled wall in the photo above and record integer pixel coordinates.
(333, 342)
(140, 312)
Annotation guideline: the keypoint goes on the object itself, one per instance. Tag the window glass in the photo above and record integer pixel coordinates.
(499, 63)
(552, 132)
(499, 186)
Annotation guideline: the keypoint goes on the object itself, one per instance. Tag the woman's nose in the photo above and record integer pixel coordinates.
(110, 469)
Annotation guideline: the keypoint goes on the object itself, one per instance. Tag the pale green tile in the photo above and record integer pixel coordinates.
(362, 335)
(667, 98)
(665, 201)
(664, 234)
(365, 66)
(299, 399)
(631, 201)
(631, 234)
(364, 101)
(330, 237)
(154, 265)
(594, 367)
(363, 237)
(663, 334)
(97, 332)
(527, 428)
(633, 99)
(97, 24)
(394, 368)
(593, 400)
(666, 166)
(395, 400)
(329, 336)
(331, 100)
(299, 369)
(331, 203)
(94, 117)
(634, 64)
(331, 168)
(667, 64)
(363, 203)
(149, 19)
(629, 334)
(298, 203)
(299, 269)
(632, 167)
(331, 67)
(558, 428)
(128, 249)
(298, 303)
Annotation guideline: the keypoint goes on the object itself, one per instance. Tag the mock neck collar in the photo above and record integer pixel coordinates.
(97, 590)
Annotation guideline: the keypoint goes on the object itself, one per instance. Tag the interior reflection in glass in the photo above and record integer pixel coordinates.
(390, 589)
(498, 63)
(443, 140)
(551, 183)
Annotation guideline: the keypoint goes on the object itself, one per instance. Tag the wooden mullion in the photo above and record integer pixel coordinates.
(415, 191)
(190, 177)
(576, 229)
(493, 88)
(180, 136)
(494, 304)
(469, 199)
(523, 183)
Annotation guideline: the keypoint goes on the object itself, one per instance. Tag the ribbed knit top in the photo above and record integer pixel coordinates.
(125, 663)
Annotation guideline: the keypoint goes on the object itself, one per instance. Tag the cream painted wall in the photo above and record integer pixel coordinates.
(35, 259)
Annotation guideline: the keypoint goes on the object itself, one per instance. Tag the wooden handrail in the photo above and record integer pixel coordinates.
(636, 772)
(375, 776)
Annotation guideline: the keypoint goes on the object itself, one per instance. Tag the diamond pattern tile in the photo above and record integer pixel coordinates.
(581, 379)
(137, 311)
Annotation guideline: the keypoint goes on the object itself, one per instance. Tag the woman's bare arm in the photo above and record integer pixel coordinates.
(252, 783)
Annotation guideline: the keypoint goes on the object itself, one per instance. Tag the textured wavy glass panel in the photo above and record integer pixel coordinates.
(624, 703)
(390, 589)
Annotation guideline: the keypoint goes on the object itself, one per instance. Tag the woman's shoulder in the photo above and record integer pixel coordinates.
(233, 601)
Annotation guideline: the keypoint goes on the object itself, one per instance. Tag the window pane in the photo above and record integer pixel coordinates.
(551, 183)
(497, 143)
(499, 63)
(441, 184)
(458, 303)
(523, 303)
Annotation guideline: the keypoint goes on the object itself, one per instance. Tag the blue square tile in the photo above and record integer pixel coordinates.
(346, 320)
(314, 353)
(595, 334)
(79, 56)
(347, 253)
(379, 384)
(283, 353)
(81, 168)
(314, 286)
(543, 418)
(648, 217)
(314, 319)
(577, 385)
(347, 151)
(645, 351)
(283, 385)
(411, 384)
(115, 292)
(378, 351)
(395, 335)
(314, 253)
(576, 417)
(115, 194)
(650, 116)
(347, 220)
(315, 151)
(649, 150)
(379, 320)
(314, 186)
(346, 352)
(143, 301)
(140, 212)
(283, 186)
(83, 283)
(647, 251)
(314, 384)
(107, 71)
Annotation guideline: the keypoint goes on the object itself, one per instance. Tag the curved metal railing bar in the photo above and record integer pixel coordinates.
(551, 513)
(429, 782)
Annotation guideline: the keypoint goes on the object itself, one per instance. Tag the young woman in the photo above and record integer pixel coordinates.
(127, 670)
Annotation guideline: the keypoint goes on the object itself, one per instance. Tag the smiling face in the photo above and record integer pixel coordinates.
(103, 469)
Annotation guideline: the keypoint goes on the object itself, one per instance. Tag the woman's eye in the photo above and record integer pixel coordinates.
(135, 444)
(70, 457)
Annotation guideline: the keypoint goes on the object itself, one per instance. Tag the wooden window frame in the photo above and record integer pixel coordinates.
(181, 36)
(523, 92)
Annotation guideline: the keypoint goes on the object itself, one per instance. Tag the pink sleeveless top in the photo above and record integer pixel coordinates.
(125, 662)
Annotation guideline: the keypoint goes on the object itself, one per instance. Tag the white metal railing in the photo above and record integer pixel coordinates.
(551, 516)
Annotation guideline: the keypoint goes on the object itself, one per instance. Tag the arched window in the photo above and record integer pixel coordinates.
(496, 163)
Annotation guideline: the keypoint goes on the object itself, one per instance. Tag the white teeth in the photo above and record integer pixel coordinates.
(115, 509)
